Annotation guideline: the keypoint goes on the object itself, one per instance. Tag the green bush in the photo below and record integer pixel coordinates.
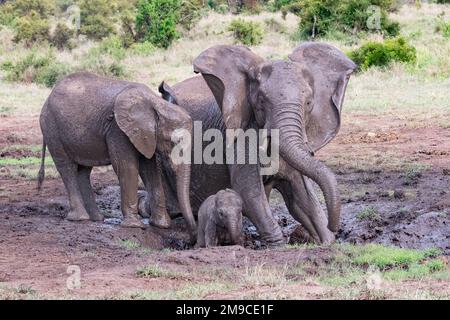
(443, 26)
(274, 25)
(97, 27)
(156, 21)
(35, 67)
(319, 17)
(143, 48)
(44, 8)
(61, 36)
(51, 73)
(32, 28)
(246, 32)
(105, 59)
(104, 65)
(112, 46)
(97, 18)
(190, 13)
(278, 4)
(383, 53)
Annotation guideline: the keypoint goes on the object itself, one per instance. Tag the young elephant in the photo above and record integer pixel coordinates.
(220, 219)
(93, 121)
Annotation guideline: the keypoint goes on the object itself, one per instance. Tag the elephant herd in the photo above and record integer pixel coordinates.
(92, 121)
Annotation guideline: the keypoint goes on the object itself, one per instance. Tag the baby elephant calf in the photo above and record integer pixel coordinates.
(220, 220)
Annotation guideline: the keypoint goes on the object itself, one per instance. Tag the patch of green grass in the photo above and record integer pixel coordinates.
(368, 214)
(383, 257)
(352, 265)
(190, 291)
(6, 110)
(129, 244)
(155, 271)
(8, 161)
(412, 174)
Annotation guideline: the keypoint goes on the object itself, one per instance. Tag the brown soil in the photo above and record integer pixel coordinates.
(37, 244)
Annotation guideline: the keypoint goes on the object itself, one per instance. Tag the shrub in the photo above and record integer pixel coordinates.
(44, 8)
(383, 53)
(35, 67)
(156, 21)
(112, 46)
(97, 27)
(274, 25)
(319, 17)
(443, 26)
(278, 4)
(104, 60)
(61, 36)
(128, 21)
(190, 13)
(246, 32)
(96, 18)
(11, 11)
(51, 73)
(31, 28)
(143, 48)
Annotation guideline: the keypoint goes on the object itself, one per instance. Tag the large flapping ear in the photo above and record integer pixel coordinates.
(330, 70)
(225, 69)
(134, 113)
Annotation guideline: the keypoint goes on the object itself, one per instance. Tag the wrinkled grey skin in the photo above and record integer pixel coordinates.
(92, 121)
(220, 220)
(302, 97)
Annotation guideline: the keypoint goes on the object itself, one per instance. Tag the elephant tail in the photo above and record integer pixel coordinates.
(41, 174)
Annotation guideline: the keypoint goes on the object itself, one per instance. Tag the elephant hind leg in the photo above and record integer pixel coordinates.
(69, 174)
(84, 182)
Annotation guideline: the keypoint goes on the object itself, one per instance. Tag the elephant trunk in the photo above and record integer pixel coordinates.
(183, 180)
(234, 227)
(294, 150)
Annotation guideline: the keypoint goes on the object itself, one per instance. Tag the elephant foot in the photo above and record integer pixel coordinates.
(132, 221)
(77, 215)
(97, 216)
(160, 220)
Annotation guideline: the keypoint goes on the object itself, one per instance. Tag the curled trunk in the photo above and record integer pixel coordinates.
(294, 150)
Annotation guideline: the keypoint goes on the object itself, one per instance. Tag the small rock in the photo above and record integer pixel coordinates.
(399, 194)
(446, 171)
(371, 134)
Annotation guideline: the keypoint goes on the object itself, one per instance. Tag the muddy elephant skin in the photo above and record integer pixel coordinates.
(92, 121)
(220, 220)
(302, 97)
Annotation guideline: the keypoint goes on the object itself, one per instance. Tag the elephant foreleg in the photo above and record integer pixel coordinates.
(246, 180)
(150, 173)
(304, 206)
(125, 163)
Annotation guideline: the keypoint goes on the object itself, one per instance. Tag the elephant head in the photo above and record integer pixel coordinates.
(150, 123)
(301, 97)
(229, 213)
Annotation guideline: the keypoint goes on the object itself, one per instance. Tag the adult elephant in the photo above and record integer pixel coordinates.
(301, 97)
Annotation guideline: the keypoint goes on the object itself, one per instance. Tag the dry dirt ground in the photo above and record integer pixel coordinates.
(395, 188)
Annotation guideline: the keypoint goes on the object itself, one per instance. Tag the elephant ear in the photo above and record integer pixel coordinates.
(329, 70)
(167, 93)
(225, 69)
(134, 113)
